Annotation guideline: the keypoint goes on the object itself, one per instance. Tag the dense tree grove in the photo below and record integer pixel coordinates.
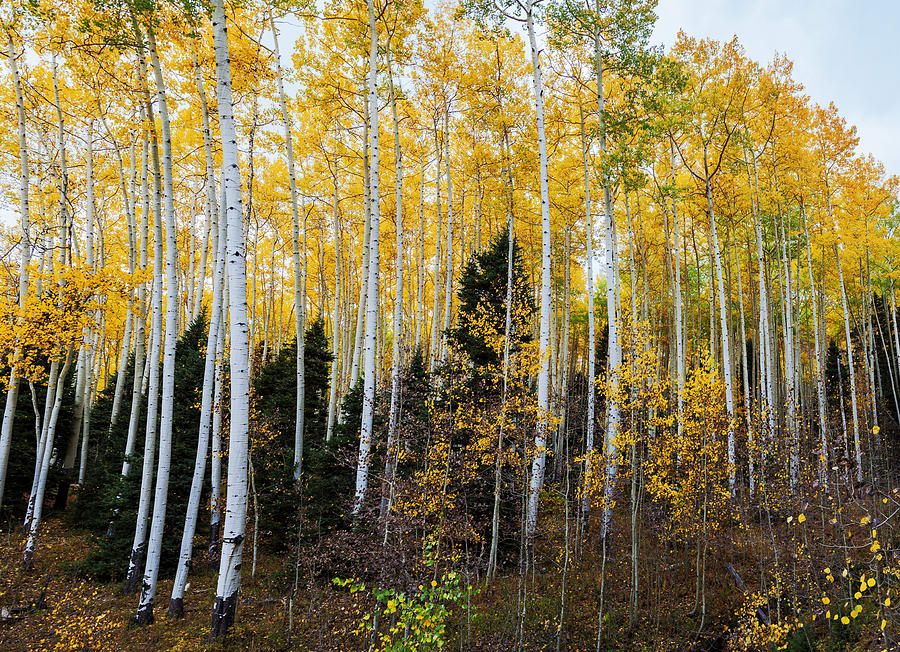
(394, 327)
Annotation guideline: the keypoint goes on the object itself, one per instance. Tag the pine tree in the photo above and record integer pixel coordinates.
(482, 300)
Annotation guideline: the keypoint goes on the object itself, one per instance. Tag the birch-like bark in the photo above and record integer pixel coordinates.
(299, 299)
(369, 353)
(36, 500)
(679, 320)
(333, 396)
(448, 239)
(364, 276)
(141, 333)
(225, 606)
(744, 368)
(12, 393)
(140, 531)
(723, 322)
(176, 601)
(543, 380)
(420, 263)
(144, 615)
(215, 472)
(436, 308)
(614, 357)
(857, 451)
(765, 344)
(820, 372)
(592, 338)
(128, 203)
(394, 416)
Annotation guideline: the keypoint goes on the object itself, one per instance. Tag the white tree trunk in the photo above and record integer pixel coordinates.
(176, 601)
(448, 271)
(140, 531)
(820, 372)
(299, 275)
(141, 333)
(592, 338)
(396, 327)
(436, 308)
(369, 353)
(12, 393)
(856, 446)
(333, 395)
(723, 322)
(543, 381)
(614, 357)
(36, 500)
(364, 275)
(215, 473)
(144, 613)
(225, 606)
(679, 320)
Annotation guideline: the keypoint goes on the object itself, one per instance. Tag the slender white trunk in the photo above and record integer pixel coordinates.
(176, 601)
(856, 446)
(543, 380)
(212, 210)
(592, 338)
(420, 264)
(723, 322)
(745, 371)
(894, 320)
(614, 356)
(215, 472)
(12, 393)
(299, 275)
(128, 202)
(225, 606)
(333, 396)
(448, 271)
(790, 377)
(364, 275)
(436, 308)
(820, 372)
(140, 531)
(397, 325)
(765, 337)
(141, 334)
(679, 320)
(36, 500)
(369, 354)
(144, 613)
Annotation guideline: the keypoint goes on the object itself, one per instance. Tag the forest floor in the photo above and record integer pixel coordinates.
(52, 608)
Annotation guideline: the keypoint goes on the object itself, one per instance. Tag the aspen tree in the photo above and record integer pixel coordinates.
(394, 416)
(591, 343)
(299, 298)
(543, 380)
(225, 606)
(176, 601)
(153, 403)
(144, 613)
(12, 392)
(369, 353)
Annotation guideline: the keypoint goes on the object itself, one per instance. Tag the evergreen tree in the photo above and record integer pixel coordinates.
(274, 412)
(108, 499)
(482, 302)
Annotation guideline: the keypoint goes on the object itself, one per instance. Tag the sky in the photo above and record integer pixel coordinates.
(843, 51)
